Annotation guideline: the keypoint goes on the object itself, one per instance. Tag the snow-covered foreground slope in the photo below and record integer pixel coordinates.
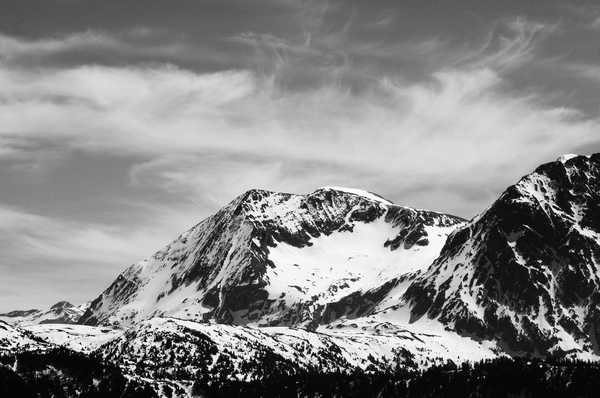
(79, 338)
(276, 259)
(61, 312)
(166, 348)
(16, 339)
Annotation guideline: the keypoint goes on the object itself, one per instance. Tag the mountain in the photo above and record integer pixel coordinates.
(175, 350)
(343, 283)
(14, 339)
(520, 278)
(61, 312)
(270, 259)
(80, 338)
(524, 273)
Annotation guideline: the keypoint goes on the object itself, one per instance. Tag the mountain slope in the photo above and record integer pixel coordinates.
(342, 281)
(525, 272)
(166, 348)
(276, 259)
(80, 338)
(15, 339)
(61, 312)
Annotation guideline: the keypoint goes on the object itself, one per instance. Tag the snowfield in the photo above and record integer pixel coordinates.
(336, 265)
(15, 339)
(367, 343)
(79, 338)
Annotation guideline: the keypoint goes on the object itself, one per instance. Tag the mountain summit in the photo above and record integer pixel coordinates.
(276, 259)
(526, 271)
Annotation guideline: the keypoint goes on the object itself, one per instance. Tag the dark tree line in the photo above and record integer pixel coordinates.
(498, 378)
(61, 373)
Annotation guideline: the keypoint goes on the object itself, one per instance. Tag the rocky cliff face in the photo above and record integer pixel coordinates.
(276, 259)
(525, 272)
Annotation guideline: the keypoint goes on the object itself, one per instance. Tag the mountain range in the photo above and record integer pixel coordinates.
(343, 280)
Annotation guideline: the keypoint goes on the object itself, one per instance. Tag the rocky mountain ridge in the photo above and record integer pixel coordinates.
(525, 272)
(62, 312)
(343, 281)
(276, 259)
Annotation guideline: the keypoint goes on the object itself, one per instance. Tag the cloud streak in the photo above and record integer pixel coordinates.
(423, 121)
(458, 111)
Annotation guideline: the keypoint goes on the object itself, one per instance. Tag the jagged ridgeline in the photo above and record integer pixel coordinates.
(342, 288)
(526, 271)
(277, 259)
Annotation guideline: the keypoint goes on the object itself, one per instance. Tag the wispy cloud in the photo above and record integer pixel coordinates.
(446, 131)
(586, 71)
(11, 47)
(46, 256)
(595, 24)
(461, 111)
(510, 44)
(138, 44)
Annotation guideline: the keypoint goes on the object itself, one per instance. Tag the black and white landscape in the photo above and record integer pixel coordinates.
(341, 281)
(281, 198)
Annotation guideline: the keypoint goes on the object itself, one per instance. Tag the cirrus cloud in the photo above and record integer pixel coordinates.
(425, 122)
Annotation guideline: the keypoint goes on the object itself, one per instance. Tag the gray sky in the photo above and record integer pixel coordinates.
(123, 123)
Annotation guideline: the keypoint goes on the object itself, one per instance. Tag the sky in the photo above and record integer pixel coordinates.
(123, 123)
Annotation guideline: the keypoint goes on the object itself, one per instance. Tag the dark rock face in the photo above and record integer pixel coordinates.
(222, 263)
(61, 305)
(526, 270)
(356, 304)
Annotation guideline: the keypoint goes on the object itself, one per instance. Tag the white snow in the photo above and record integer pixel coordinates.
(428, 339)
(362, 342)
(358, 192)
(71, 313)
(75, 337)
(14, 338)
(330, 267)
(348, 261)
(567, 156)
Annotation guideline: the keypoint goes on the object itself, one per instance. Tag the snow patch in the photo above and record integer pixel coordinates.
(75, 337)
(358, 192)
(347, 261)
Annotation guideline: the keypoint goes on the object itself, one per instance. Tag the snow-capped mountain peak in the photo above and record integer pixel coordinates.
(272, 258)
(358, 192)
(61, 312)
(341, 280)
(526, 271)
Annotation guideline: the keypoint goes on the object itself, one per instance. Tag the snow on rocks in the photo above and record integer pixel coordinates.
(169, 347)
(16, 339)
(276, 259)
(61, 312)
(359, 192)
(80, 338)
(526, 268)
